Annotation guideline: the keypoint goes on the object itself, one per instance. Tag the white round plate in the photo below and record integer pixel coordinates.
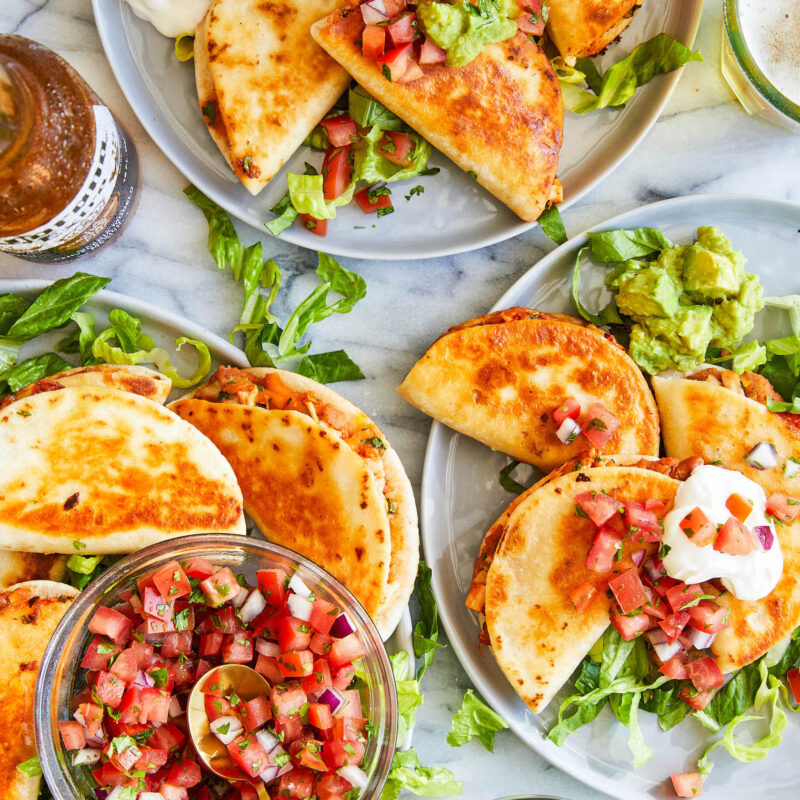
(452, 216)
(165, 328)
(461, 498)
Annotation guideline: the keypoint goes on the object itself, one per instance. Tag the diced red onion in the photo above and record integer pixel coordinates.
(374, 12)
(78, 717)
(100, 794)
(568, 431)
(791, 469)
(653, 572)
(333, 698)
(239, 599)
(96, 741)
(297, 585)
(638, 557)
(86, 756)
(267, 648)
(175, 709)
(252, 606)
(431, 53)
(299, 607)
(699, 639)
(353, 774)
(267, 740)
(665, 651)
(288, 766)
(136, 604)
(233, 730)
(151, 796)
(342, 627)
(656, 636)
(144, 679)
(762, 456)
(115, 793)
(766, 537)
(269, 774)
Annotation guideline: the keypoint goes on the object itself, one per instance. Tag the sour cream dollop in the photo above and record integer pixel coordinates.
(749, 577)
(171, 17)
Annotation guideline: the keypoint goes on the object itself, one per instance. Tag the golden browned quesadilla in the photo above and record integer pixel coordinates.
(317, 476)
(17, 567)
(499, 117)
(580, 28)
(96, 470)
(262, 81)
(499, 378)
(29, 613)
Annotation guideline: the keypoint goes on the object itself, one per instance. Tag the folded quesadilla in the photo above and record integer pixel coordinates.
(580, 28)
(319, 477)
(134, 379)
(262, 82)
(29, 613)
(500, 377)
(17, 567)
(96, 470)
(500, 117)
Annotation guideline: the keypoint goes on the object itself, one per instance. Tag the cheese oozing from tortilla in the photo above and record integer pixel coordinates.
(171, 17)
(749, 577)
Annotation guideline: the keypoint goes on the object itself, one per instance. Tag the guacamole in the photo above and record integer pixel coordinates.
(464, 29)
(688, 299)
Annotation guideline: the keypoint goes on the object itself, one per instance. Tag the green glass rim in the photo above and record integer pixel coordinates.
(752, 72)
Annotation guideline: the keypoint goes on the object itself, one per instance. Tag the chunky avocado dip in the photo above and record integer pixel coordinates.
(464, 29)
(681, 300)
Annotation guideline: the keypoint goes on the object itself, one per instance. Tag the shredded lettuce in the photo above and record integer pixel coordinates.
(367, 112)
(552, 224)
(475, 718)
(33, 369)
(626, 244)
(426, 631)
(607, 315)
(371, 166)
(407, 773)
(306, 195)
(409, 696)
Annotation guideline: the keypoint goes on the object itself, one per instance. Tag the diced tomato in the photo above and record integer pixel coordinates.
(323, 615)
(286, 700)
(598, 506)
(582, 595)
(341, 130)
(144, 654)
(681, 596)
(92, 717)
(297, 784)
(373, 41)
(220, 587)
(319, 679)
(307, 752)
(151, 760)
(673, 625)
(199, 568)
(350, 729)
(155, 706)
(319, 715)
(272, 584)
(109, 689)
(533, 28)
(338, 754)
(674, 668)
(109, 775)
(740, 507)
(401, 30)
(604, 549)
(653, 504)
(320, 644)
(210, 644)
(394, 7)
(413, 72)
(708, 617)
(98, 654)
(130, 708)
(125, 759)
(175, 644)
(156, 606)
(287, 729)
(258, 713)
(332, 785)
(170, 792)
(153, 625)
(698, 528)
(697, 700)
(705, 674)
(171, 581)
(125, 666)
(110, 623)
(688, 784)
(166, 737)
(185, 773)
(226, 621)
(734, 538)
(73, 734)
(343, 676)
(344, 650)
(394, 63)
(641, 521)
(662, 585)
(237, 648)
(297, 664)
(338, 171)
(654, 605)
(268, 667)
(431, 53)
(628, 591)
(783, 507)
(293, 634)
(793, 676)
(372, 202)
(396, 146)
(352, 703)
(600, 425)
(569, 409)
(630, 627)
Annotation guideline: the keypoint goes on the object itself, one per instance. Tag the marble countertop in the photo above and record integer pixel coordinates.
(703, 142)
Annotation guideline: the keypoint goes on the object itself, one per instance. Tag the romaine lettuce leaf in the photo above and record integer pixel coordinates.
(552, 225)
(12, 307)
(407, 773)
(32, 370)
(306, 195)
(80, 340)
(372, 167)
(409, 696)
(475, 718)
(223, 242)
(607, 315)
(367, 112)
(426, 631)
(330, 367)
(626, 244)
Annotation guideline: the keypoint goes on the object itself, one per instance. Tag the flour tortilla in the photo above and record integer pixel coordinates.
(580, 28)
(708, 420)
(500, 116)
(29, 613)
(16, 567)
(134, 379)
(498, 382)
(538, 637)
(269, 82)
(110, 470)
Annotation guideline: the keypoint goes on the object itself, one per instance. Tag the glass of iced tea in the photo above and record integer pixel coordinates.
(761, 57)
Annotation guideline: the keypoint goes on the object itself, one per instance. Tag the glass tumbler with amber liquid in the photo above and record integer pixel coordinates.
(69, 175)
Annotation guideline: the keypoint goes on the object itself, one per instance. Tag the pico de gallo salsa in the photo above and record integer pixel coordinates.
(305, 739)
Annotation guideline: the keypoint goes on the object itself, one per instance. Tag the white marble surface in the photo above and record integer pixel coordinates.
(704, 142)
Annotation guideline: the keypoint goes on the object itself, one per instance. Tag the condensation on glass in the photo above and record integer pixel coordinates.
(69, 175)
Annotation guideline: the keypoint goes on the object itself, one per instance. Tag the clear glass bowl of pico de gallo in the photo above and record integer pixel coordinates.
(111, 699)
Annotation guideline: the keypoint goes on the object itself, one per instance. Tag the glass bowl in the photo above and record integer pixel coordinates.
(750, 84)
(60, 676)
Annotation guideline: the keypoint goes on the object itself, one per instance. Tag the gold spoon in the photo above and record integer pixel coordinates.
(247, 684)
